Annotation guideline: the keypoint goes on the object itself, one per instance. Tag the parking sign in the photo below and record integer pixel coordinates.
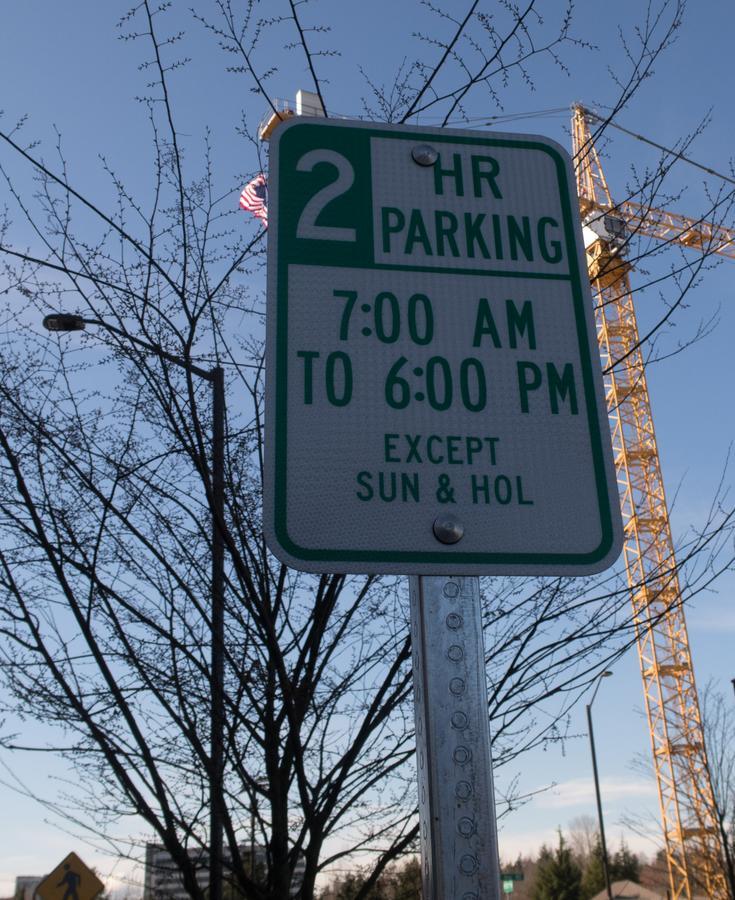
(434, 398)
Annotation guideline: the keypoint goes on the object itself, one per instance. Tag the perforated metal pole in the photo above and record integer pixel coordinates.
(459, 843)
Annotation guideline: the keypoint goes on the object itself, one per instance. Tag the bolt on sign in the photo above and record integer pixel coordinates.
(70, 880)
(434, 398)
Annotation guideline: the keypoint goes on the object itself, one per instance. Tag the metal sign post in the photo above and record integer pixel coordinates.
(434, 405)
(459, 843)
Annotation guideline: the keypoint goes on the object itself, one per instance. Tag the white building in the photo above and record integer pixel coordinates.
(25, 886)
(162, 880)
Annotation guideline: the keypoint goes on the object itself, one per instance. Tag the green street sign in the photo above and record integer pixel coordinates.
(507, 886)
(434, 399)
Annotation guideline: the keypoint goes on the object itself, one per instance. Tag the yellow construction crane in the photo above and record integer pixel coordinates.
(693, 843)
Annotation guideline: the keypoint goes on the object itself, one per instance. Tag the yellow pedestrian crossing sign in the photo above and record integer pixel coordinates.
(70, 880)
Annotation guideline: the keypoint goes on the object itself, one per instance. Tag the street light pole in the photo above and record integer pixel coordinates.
(603, 844)
(216, 822)
(216, 377)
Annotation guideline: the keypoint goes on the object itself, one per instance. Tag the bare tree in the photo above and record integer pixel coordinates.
(583, 835)
(718, 724)
(106, 494)
(718, 720)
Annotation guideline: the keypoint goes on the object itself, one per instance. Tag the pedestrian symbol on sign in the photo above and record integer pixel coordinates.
(72, 880)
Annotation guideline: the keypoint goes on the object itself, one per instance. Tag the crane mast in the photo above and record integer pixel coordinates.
(692, 839)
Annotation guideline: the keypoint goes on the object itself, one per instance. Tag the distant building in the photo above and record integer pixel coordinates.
(628, 890)
(25, 886)
(162, 879)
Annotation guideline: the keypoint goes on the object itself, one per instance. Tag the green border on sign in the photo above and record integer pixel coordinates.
(295, 140)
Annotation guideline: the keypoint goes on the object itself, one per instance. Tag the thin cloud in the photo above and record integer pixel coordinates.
(581, 792)
(525, 843)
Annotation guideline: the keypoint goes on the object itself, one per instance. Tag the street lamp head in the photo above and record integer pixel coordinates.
(63, 322)
(597, 682)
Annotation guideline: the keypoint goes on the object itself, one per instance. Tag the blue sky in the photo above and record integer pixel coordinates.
(65, 65)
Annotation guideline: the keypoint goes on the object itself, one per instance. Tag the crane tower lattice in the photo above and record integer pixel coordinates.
(693, 843)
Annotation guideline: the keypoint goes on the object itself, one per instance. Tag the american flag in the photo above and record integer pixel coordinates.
(253, 197)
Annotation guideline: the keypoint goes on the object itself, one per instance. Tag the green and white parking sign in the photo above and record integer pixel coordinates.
(434, 399)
